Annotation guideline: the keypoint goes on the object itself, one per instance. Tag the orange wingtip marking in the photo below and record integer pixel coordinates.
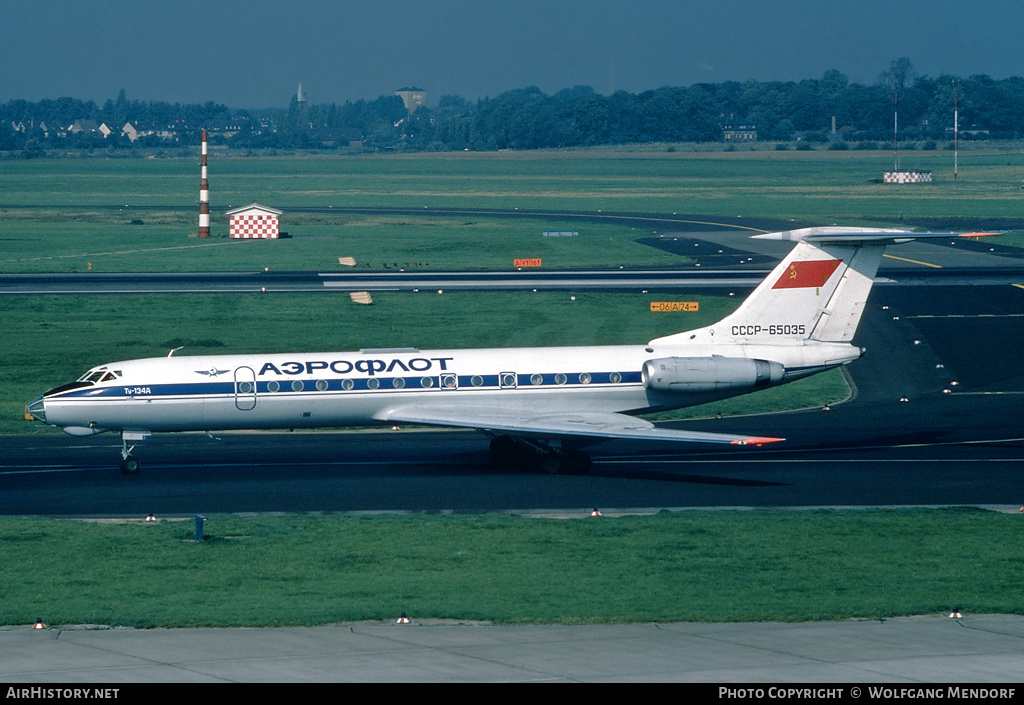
(978, 234)
(755, 441)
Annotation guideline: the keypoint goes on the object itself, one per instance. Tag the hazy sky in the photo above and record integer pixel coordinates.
(253, 54)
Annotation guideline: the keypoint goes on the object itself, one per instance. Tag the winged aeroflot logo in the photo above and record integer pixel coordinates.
(212, 372)
(807, 273)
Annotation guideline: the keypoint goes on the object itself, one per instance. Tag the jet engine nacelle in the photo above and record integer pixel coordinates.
(709, 374)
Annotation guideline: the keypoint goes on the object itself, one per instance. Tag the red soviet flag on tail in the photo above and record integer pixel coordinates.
(807, 273)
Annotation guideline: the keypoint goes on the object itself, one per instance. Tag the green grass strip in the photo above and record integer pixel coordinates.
(672, 566)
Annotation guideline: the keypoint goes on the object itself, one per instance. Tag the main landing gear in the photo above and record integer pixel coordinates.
(509, 452)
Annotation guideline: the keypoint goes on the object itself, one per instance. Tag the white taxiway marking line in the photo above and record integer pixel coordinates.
(124, 252)
(783, 461)
(38, 470)
(971, 315)
(597, 461)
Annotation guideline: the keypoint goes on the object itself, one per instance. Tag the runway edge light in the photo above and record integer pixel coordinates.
(39, 624)
(955, 614)
(403, 619)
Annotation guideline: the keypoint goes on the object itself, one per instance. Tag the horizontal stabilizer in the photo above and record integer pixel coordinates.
(592, 424)
(842, 235)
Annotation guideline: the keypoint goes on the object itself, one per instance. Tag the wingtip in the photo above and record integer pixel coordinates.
(755, 441)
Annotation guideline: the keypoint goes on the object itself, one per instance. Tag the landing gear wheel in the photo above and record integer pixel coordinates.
(552, 463)
(507, 452)
(130, 465)
(576, 463)
(502, 447)
(573, 463)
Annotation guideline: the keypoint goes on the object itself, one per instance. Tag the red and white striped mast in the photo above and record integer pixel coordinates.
(204, 196)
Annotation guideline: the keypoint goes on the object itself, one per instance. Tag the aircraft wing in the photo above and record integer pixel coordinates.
(592, 424)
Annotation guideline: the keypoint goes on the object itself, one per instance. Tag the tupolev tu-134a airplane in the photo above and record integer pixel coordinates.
(550, 401)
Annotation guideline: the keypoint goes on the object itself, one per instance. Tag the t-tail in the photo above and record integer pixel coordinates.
(817, 293)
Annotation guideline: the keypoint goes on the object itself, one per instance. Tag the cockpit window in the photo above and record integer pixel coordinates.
(96, 376)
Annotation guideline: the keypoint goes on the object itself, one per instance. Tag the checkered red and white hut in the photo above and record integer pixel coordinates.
(254, 221)
(907, 177)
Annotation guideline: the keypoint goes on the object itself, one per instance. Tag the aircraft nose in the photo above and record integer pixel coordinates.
(36, 409)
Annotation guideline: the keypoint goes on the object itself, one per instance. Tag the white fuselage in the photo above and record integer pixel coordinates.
(358, 388)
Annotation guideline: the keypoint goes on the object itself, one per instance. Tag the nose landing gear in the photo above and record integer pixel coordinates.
(129, 463)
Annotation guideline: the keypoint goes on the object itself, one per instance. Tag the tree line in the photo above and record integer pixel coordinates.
(527, 118)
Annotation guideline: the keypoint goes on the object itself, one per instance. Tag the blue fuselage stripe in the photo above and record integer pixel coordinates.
(351, 384)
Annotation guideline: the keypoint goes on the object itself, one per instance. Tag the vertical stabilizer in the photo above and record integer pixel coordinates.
(818, 292)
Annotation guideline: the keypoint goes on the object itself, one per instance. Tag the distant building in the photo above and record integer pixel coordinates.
(300, 97)
(254, 222)
(412, 98)
(345, 137)
(907, 177)
(739, 134)
(90, 126)
(84, 126)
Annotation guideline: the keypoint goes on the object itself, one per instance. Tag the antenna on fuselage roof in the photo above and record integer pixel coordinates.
(171, 353)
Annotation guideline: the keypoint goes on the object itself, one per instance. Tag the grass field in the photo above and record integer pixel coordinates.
(48, 240)
(62, 207)
(818, 186)
(685, 566)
